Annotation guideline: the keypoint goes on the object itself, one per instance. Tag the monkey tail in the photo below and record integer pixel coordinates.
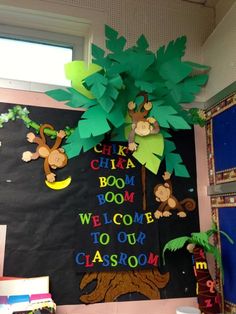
(189, 204)
(145, 100)
(42, 128)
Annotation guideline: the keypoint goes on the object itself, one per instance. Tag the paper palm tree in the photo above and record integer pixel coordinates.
(198, 244)
(113, 79)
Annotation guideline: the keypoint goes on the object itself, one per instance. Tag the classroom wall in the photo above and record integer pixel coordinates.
(222, 7)
(160, 21)
(219, 52)
(3, 230)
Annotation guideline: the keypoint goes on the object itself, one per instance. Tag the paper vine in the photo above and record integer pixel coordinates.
(18, 112)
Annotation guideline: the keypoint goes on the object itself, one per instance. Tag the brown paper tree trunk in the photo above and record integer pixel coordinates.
(208, 297)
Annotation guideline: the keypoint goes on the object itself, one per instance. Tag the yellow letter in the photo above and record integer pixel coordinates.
(114, 218)
(98, 257)
(103, 182)
(130, 164)
(96, 148)
(201, 265)
(121, 150)
(149, 217)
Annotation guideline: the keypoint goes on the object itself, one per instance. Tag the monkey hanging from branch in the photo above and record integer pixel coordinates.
(141, 125)
(54, 157)
(164, 194)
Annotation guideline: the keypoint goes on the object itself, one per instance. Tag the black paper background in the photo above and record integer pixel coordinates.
(42, 229)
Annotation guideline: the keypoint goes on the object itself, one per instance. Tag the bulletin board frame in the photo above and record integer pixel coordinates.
(224, 175)
(219, 205)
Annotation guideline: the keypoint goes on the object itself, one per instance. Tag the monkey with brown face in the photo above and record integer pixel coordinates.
(54, 157)
(164, 195)
(141, 125)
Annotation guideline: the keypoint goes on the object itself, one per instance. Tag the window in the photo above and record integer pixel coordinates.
(34, 62)
(49, 22)
(34, 59)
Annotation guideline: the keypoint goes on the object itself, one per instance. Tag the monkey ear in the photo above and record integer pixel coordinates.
(151, 127)
(133, 126)
(157, 199)
(61, 150)
(166, 185)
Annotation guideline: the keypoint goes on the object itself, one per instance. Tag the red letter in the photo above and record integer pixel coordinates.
(96, 221)
(92, 164)
(153, 259)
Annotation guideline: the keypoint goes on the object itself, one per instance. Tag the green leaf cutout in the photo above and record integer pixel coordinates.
(95, 121)
(174, 70)
(175, 49)
(99, 57)
(75, 144)
(142, 43)
(168, 117)
(198, 66)
(150, 151)
(59, 94)
(174, 161)
(72, 98)
(113, 43)
(77, 71)
(191, 86)
(174, 245)
(104, 89)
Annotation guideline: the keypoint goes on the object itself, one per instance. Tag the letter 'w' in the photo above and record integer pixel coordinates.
(85, 218)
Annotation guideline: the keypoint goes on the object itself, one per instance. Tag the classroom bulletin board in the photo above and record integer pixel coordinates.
(93, 237)
(220, 130)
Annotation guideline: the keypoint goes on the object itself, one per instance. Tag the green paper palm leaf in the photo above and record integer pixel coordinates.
(150, 151)
(97, 84)
(175, 49)
(134, 62)
(113, 43)
(99, 57)
(77, 71)
(95, 121)
(198, 66)
(75, 144)
(175, 70)
(142, 43)
(191, 86)
(72, 97)
(174, 245)
(202, 239)
(231, 241)
(168, 117)
(174, 161)
(105, 89)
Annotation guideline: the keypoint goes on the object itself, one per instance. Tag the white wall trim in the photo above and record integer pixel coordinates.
(28, 86)
(68, 27)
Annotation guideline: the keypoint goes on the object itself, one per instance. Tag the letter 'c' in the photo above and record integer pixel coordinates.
(115, 220)
(77, 258)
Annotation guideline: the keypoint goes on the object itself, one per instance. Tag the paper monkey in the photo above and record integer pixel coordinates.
(53, 157)
(141, 125)
(164, 194)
